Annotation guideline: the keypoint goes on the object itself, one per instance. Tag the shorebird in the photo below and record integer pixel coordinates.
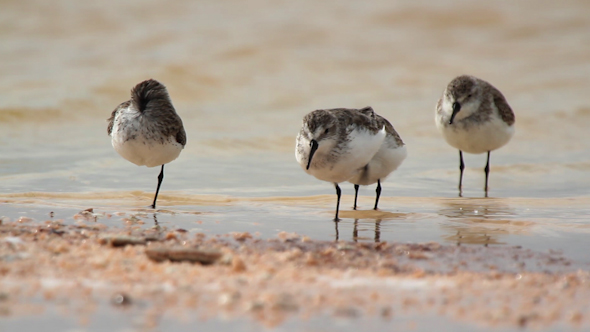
(146, 129)
(387, 159)
(474, 117)
(334, 145)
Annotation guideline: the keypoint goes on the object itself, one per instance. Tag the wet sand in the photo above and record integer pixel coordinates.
(80, 269)
(380, 268)
(539, 224)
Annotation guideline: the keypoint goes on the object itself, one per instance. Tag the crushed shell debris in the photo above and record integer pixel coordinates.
(235, 275)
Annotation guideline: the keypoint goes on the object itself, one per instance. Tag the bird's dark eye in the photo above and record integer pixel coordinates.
(469, 96)
(327, 130)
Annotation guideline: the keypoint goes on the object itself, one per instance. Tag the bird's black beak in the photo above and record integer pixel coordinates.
(314, 146)
(456, 109)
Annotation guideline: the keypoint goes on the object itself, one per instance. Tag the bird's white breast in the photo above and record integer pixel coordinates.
(134, 142)
(478, 138)
(338, 166)
(385, 161)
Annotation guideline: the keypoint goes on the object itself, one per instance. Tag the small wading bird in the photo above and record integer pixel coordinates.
(337, 145)
(146, 129)
(474, 117)
(387, 159)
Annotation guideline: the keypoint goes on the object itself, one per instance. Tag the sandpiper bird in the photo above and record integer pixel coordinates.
(474, 117)
(387, 159)
(146, 129)
(334, 145)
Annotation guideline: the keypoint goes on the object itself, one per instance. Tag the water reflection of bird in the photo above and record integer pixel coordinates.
(377, 238)
(355, 231)
(478, 221)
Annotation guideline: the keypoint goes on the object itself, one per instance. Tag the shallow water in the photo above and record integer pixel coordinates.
(242, 76)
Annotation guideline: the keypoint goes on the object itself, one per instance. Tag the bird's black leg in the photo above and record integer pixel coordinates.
(338, 193)
(160, 178)
(378, 191)
(487, 170)
(461, 168)
(356, 193)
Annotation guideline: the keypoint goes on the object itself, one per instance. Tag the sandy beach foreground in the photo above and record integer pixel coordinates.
(157, 272)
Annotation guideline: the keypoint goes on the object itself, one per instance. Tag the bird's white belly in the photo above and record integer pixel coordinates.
(383, 163)
(478, 138)
(150, 154)
(335, 175)
(361, 148)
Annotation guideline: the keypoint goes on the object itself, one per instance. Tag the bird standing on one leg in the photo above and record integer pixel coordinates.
(146, 129)
(474, 117)
(335, 144)
(390, 155)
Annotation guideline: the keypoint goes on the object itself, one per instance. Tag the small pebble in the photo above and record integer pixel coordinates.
(121, 299)
(122, 240)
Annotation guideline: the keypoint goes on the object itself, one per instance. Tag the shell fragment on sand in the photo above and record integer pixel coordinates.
(183, 254)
